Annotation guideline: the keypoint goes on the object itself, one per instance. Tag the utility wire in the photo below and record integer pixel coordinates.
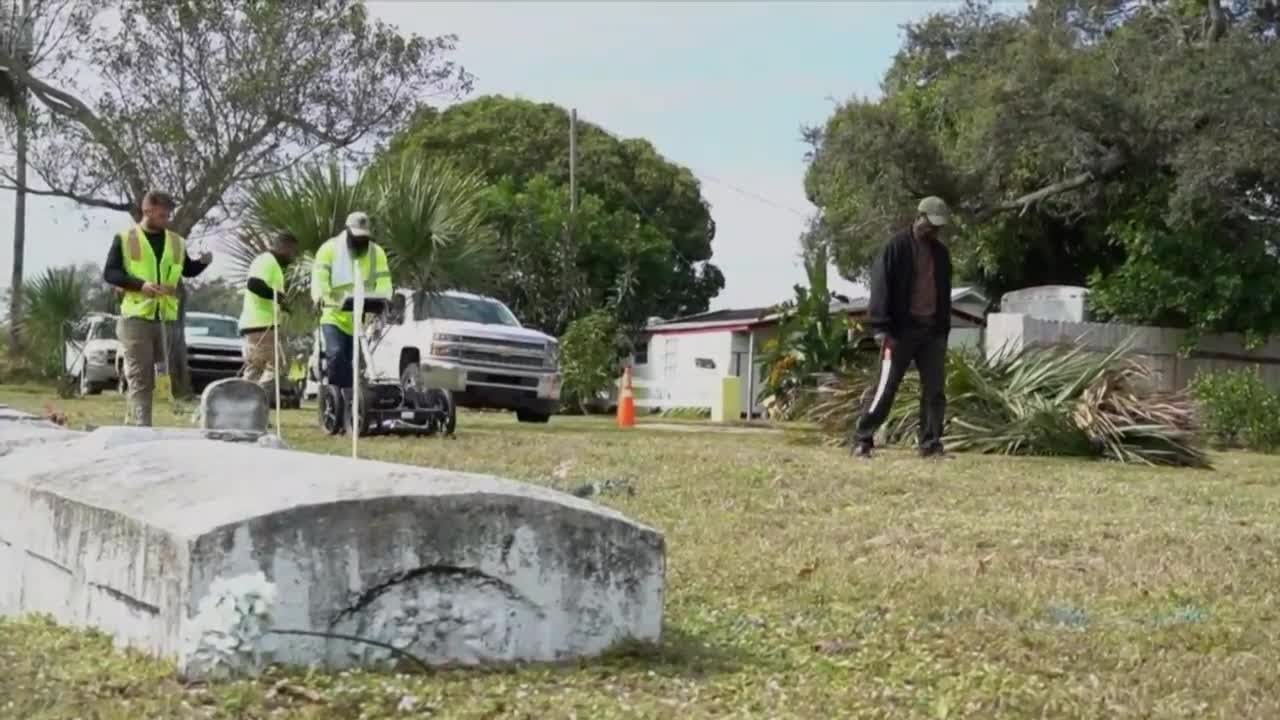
(752, 195)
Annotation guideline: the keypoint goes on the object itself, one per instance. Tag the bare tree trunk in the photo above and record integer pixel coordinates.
(19, 224)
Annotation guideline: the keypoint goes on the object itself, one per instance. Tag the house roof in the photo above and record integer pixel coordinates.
(720, 316)
(746, 318)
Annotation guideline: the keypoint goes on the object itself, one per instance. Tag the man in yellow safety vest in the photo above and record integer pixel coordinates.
(258, 318)
(146, 262)
(333, 275)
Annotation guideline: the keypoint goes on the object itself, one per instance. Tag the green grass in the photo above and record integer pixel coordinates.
(802, 584)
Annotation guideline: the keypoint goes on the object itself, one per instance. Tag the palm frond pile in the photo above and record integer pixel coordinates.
(1043, 401)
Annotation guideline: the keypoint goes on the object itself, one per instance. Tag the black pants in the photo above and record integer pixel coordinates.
(339, 354)
(927, 349)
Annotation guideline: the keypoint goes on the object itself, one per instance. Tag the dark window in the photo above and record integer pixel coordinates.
(705, 363)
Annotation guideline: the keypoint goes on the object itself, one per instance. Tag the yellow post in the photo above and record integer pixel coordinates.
(728, 406)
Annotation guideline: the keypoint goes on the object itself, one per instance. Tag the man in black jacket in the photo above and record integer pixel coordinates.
(910, 314)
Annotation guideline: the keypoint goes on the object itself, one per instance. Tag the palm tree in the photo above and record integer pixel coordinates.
(431, 218)
(15, 38)
(52, 303)
(427, 215)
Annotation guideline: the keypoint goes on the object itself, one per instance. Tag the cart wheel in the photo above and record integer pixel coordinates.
(441, 402)
(361, 424)
(331, 410)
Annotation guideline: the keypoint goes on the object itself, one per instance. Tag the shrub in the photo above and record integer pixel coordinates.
(1238, 410)
(811, 341)
(590, 351)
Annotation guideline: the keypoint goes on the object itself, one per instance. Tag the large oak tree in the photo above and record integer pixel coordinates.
(1130, 145)
(639, 241)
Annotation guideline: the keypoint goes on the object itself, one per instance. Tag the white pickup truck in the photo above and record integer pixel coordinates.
(498, 363)
(92, 353)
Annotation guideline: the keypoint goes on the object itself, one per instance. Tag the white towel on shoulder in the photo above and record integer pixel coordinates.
(342, 276)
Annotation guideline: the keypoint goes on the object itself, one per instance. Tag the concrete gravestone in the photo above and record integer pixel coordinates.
(234, 404)
(222, 556)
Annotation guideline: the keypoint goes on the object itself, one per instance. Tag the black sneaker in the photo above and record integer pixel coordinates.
(861, 451)
(935, 452)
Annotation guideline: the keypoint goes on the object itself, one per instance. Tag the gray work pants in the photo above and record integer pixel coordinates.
(142, 344)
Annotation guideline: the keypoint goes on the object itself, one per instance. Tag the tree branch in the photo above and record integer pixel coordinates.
(72, 108)
(216, 178)
(86, 200)
(1110, 164)
(320, 134)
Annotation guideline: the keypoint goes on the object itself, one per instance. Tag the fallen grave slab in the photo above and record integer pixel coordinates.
(117, 435)
(19, 429)
(224, 556)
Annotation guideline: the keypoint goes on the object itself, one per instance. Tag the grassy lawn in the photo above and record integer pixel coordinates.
(802, 584)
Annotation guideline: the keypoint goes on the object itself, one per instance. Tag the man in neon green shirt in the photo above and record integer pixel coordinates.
(333, 274)
(264, 286)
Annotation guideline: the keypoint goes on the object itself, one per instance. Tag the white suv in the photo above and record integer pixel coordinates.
(493, 362)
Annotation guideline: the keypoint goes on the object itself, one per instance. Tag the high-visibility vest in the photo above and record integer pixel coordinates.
(256, 314)
(140, 262)
(330, 286)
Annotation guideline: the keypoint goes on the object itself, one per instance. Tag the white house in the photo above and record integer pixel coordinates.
(680, 363)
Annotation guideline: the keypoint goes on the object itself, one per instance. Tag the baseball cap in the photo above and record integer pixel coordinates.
(358, 224)
(935, 210)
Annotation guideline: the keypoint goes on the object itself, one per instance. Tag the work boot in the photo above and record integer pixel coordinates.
(860, 450)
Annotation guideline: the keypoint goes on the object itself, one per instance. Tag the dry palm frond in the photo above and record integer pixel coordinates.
(1044, 401)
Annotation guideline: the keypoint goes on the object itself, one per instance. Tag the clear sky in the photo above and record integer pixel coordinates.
(720, 87)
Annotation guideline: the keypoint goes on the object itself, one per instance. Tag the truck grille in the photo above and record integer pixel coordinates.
(495, 358)
(214, 358)
(513, 344)
(513, 354)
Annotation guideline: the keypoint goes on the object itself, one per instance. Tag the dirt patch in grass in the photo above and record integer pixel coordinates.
(802, 584)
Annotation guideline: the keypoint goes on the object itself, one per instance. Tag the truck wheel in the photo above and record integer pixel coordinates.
(528, 416)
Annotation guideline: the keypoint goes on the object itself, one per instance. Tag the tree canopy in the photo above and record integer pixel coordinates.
(1133, 146)
(200, 97)
(641, 235)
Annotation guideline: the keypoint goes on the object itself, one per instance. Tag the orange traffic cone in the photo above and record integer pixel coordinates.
(626, 402)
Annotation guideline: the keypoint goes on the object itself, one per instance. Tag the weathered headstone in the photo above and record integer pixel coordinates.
(225, 555)
(234, 404)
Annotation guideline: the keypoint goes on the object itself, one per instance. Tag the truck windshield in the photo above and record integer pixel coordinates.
(211, 327)
(103, 330)
(465, 309)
